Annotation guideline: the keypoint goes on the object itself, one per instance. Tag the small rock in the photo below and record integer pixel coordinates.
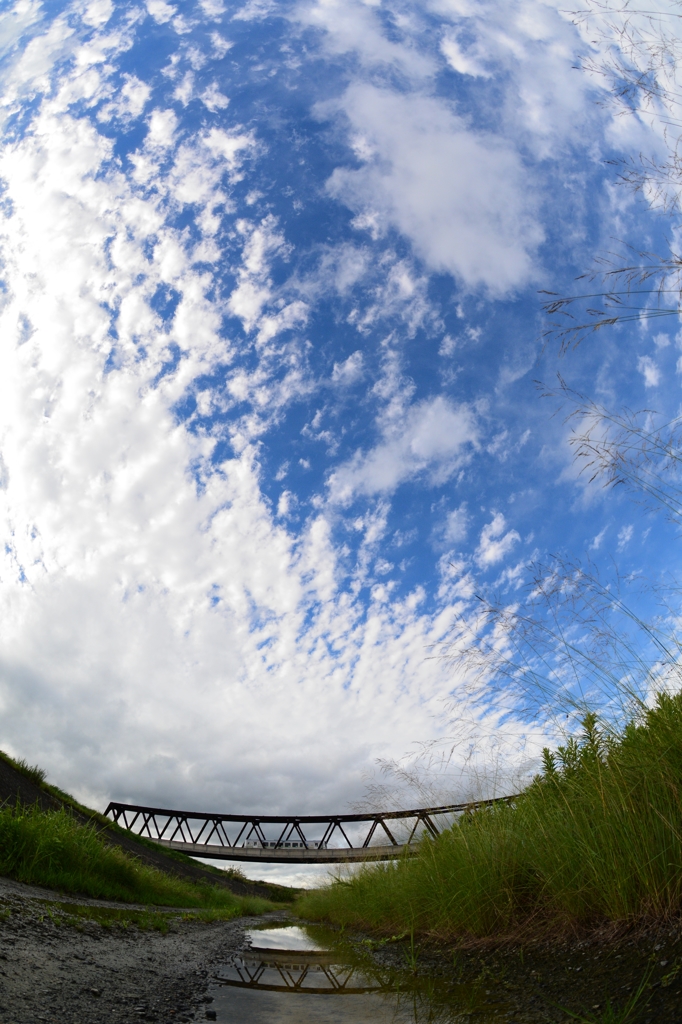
(211, 1015)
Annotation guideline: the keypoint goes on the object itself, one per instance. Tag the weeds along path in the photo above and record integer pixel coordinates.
(81, 961)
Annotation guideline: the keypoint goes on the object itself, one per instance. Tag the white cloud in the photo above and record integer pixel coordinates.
(134, 96)
(461, 197)
(448, 346)
(649, 51)
(462, 60)
(160, 11)
(162, 125)
(30, 72)
(397, 288)
(254, 10)
(465, 199)
(433, 437)
(527, 45)
(16, 24)
(213, 99)
(254, 288)
(285, 503)
(650, 371)
(230, 146)
(212, 8)
(625, 536)
(349, 371)
(254, 292)
(456, 525)
(98, 12)
(597, 541)
(220, 44)
(355, 26)
(495, 544)
(531, 49)
(184, 90)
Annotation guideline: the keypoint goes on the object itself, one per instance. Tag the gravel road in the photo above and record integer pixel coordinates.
(58, 966)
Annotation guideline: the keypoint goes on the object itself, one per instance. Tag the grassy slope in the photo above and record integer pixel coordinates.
(48, 838)
(51, 848)
(597, 837)
(36, 776)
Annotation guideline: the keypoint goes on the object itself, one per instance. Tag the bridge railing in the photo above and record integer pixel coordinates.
(289, 837)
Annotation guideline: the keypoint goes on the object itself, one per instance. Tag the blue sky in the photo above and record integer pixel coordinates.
(268, 413)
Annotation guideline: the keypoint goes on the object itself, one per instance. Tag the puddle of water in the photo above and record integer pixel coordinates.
(305, 975)
(287, 938)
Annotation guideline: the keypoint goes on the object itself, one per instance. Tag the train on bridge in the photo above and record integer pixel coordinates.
(293, 844)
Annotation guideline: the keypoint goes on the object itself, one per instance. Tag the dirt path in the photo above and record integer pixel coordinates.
(58, 965)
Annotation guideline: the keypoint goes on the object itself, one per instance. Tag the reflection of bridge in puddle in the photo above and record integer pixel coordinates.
(304, 971)
(289, 972)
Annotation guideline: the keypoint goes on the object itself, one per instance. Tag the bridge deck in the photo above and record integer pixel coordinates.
(332, 855)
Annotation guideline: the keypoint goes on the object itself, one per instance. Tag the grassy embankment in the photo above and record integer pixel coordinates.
(52, 848)
(596, 837)
(37, 776)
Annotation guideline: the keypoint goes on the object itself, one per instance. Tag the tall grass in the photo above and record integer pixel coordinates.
(596, 837)
(51, 848)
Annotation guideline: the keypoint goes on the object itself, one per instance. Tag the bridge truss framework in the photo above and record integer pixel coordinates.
(222, 836)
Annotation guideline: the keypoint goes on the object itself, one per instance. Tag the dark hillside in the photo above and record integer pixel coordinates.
(18, 782)
(16, 785)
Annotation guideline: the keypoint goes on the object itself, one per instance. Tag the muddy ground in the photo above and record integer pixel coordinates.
(545, 981)
(57, 965)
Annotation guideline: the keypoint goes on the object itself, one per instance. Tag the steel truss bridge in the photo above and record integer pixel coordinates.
(288, 839)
